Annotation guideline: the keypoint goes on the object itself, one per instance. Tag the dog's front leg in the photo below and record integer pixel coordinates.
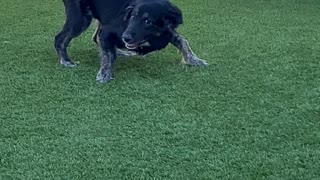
(188, 57)
(108, 55)
(107, 58)
(95, 38)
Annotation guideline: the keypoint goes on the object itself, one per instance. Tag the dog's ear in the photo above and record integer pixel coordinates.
(174, 16)
(128, 12)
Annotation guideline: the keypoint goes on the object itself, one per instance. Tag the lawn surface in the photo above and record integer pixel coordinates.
(254, 113)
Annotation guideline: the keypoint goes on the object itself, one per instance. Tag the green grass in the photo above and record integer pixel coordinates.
(254, 113)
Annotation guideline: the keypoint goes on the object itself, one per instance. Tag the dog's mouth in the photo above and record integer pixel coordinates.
(133, 46)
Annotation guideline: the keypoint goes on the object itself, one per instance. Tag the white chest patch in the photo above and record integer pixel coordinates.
(145, 44)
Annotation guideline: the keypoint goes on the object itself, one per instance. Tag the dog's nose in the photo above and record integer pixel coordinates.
(127, 38)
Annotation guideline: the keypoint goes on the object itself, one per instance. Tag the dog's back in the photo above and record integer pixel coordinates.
(107, 10)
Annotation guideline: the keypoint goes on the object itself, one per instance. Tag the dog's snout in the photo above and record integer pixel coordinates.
(127, 38)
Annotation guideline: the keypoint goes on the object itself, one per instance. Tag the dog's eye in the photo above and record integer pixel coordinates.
(147, 22)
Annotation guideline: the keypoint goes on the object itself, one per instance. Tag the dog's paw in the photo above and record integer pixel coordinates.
(193, 60)
(67, 63)
(103, 76)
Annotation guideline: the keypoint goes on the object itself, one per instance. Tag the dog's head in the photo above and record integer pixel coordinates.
(149, 19)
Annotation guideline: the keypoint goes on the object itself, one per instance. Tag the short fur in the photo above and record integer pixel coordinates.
(141, 26)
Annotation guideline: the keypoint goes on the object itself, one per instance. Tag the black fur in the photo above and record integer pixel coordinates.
(141, 26)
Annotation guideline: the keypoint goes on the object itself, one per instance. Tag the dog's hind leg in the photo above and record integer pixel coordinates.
(95, 35)
(77, 21)
(188, 57)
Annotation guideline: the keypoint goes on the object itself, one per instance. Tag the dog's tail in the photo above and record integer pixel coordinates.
(75, 11)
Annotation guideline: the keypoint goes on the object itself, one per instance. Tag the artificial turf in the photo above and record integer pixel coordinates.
(254, 113)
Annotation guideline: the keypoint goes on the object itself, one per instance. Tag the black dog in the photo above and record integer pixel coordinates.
(141, 26)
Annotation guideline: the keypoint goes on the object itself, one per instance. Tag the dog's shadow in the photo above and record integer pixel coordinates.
(155, 65)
